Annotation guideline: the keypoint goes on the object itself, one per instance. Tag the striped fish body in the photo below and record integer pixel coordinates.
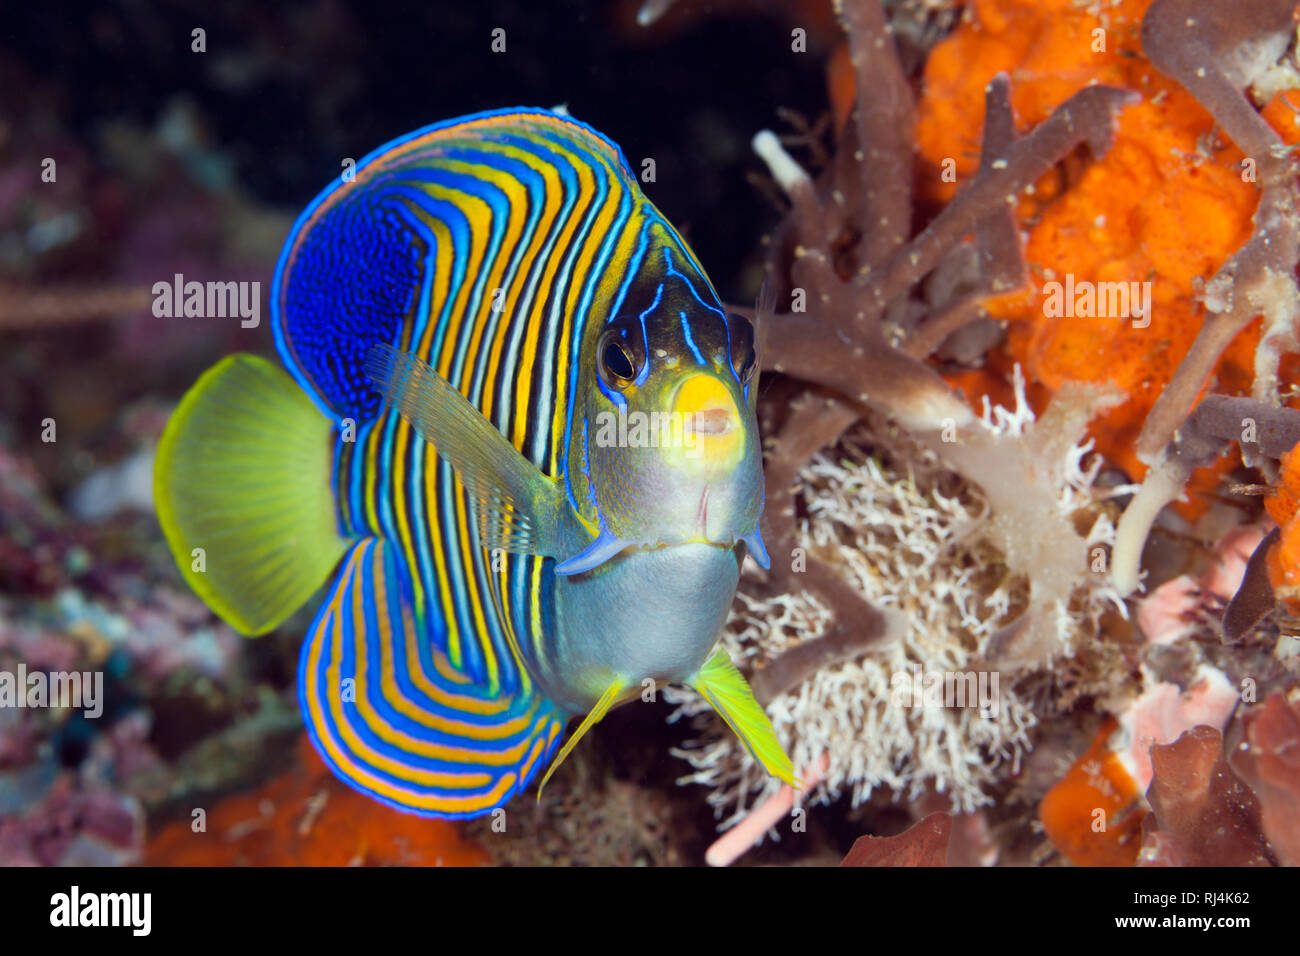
(492, 249)
(525, 295)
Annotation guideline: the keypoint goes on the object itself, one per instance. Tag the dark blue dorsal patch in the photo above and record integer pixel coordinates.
(352, 280)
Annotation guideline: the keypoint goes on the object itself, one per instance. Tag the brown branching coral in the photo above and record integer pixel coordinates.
(815, 422)
(1255, 598)
(852, 265)
(862, 337)
(1204, 45)
(1201, 44)
(908, 533)
(997, 236)
(924, 843)
(1260, 428)
(964, 586)
(1269, 760)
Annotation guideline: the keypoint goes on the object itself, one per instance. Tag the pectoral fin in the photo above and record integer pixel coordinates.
(517, 508)
(726, 689)
(601, 708)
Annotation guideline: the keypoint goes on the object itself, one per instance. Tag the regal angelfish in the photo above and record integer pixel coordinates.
(477, 327)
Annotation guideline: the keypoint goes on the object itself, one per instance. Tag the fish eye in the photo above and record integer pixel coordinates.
(745, 366)
(744, 356)
(617, 360)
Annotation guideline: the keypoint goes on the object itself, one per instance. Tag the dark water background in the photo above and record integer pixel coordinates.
(288, 89)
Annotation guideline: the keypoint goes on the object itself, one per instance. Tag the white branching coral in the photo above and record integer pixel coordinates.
(971, 546)
(1036, 486)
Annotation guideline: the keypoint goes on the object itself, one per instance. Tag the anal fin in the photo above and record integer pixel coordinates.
(390, 715)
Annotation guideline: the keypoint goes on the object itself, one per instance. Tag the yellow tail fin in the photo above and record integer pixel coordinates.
(242, 485)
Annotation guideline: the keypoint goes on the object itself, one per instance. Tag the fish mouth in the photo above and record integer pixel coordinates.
(713, 422)
(608, 545)
(753, 542)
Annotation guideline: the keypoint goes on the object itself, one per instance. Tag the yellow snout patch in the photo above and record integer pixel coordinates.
(713, 429)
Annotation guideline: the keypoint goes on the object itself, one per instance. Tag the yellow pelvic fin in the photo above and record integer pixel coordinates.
(601, 708)
(726, 689)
